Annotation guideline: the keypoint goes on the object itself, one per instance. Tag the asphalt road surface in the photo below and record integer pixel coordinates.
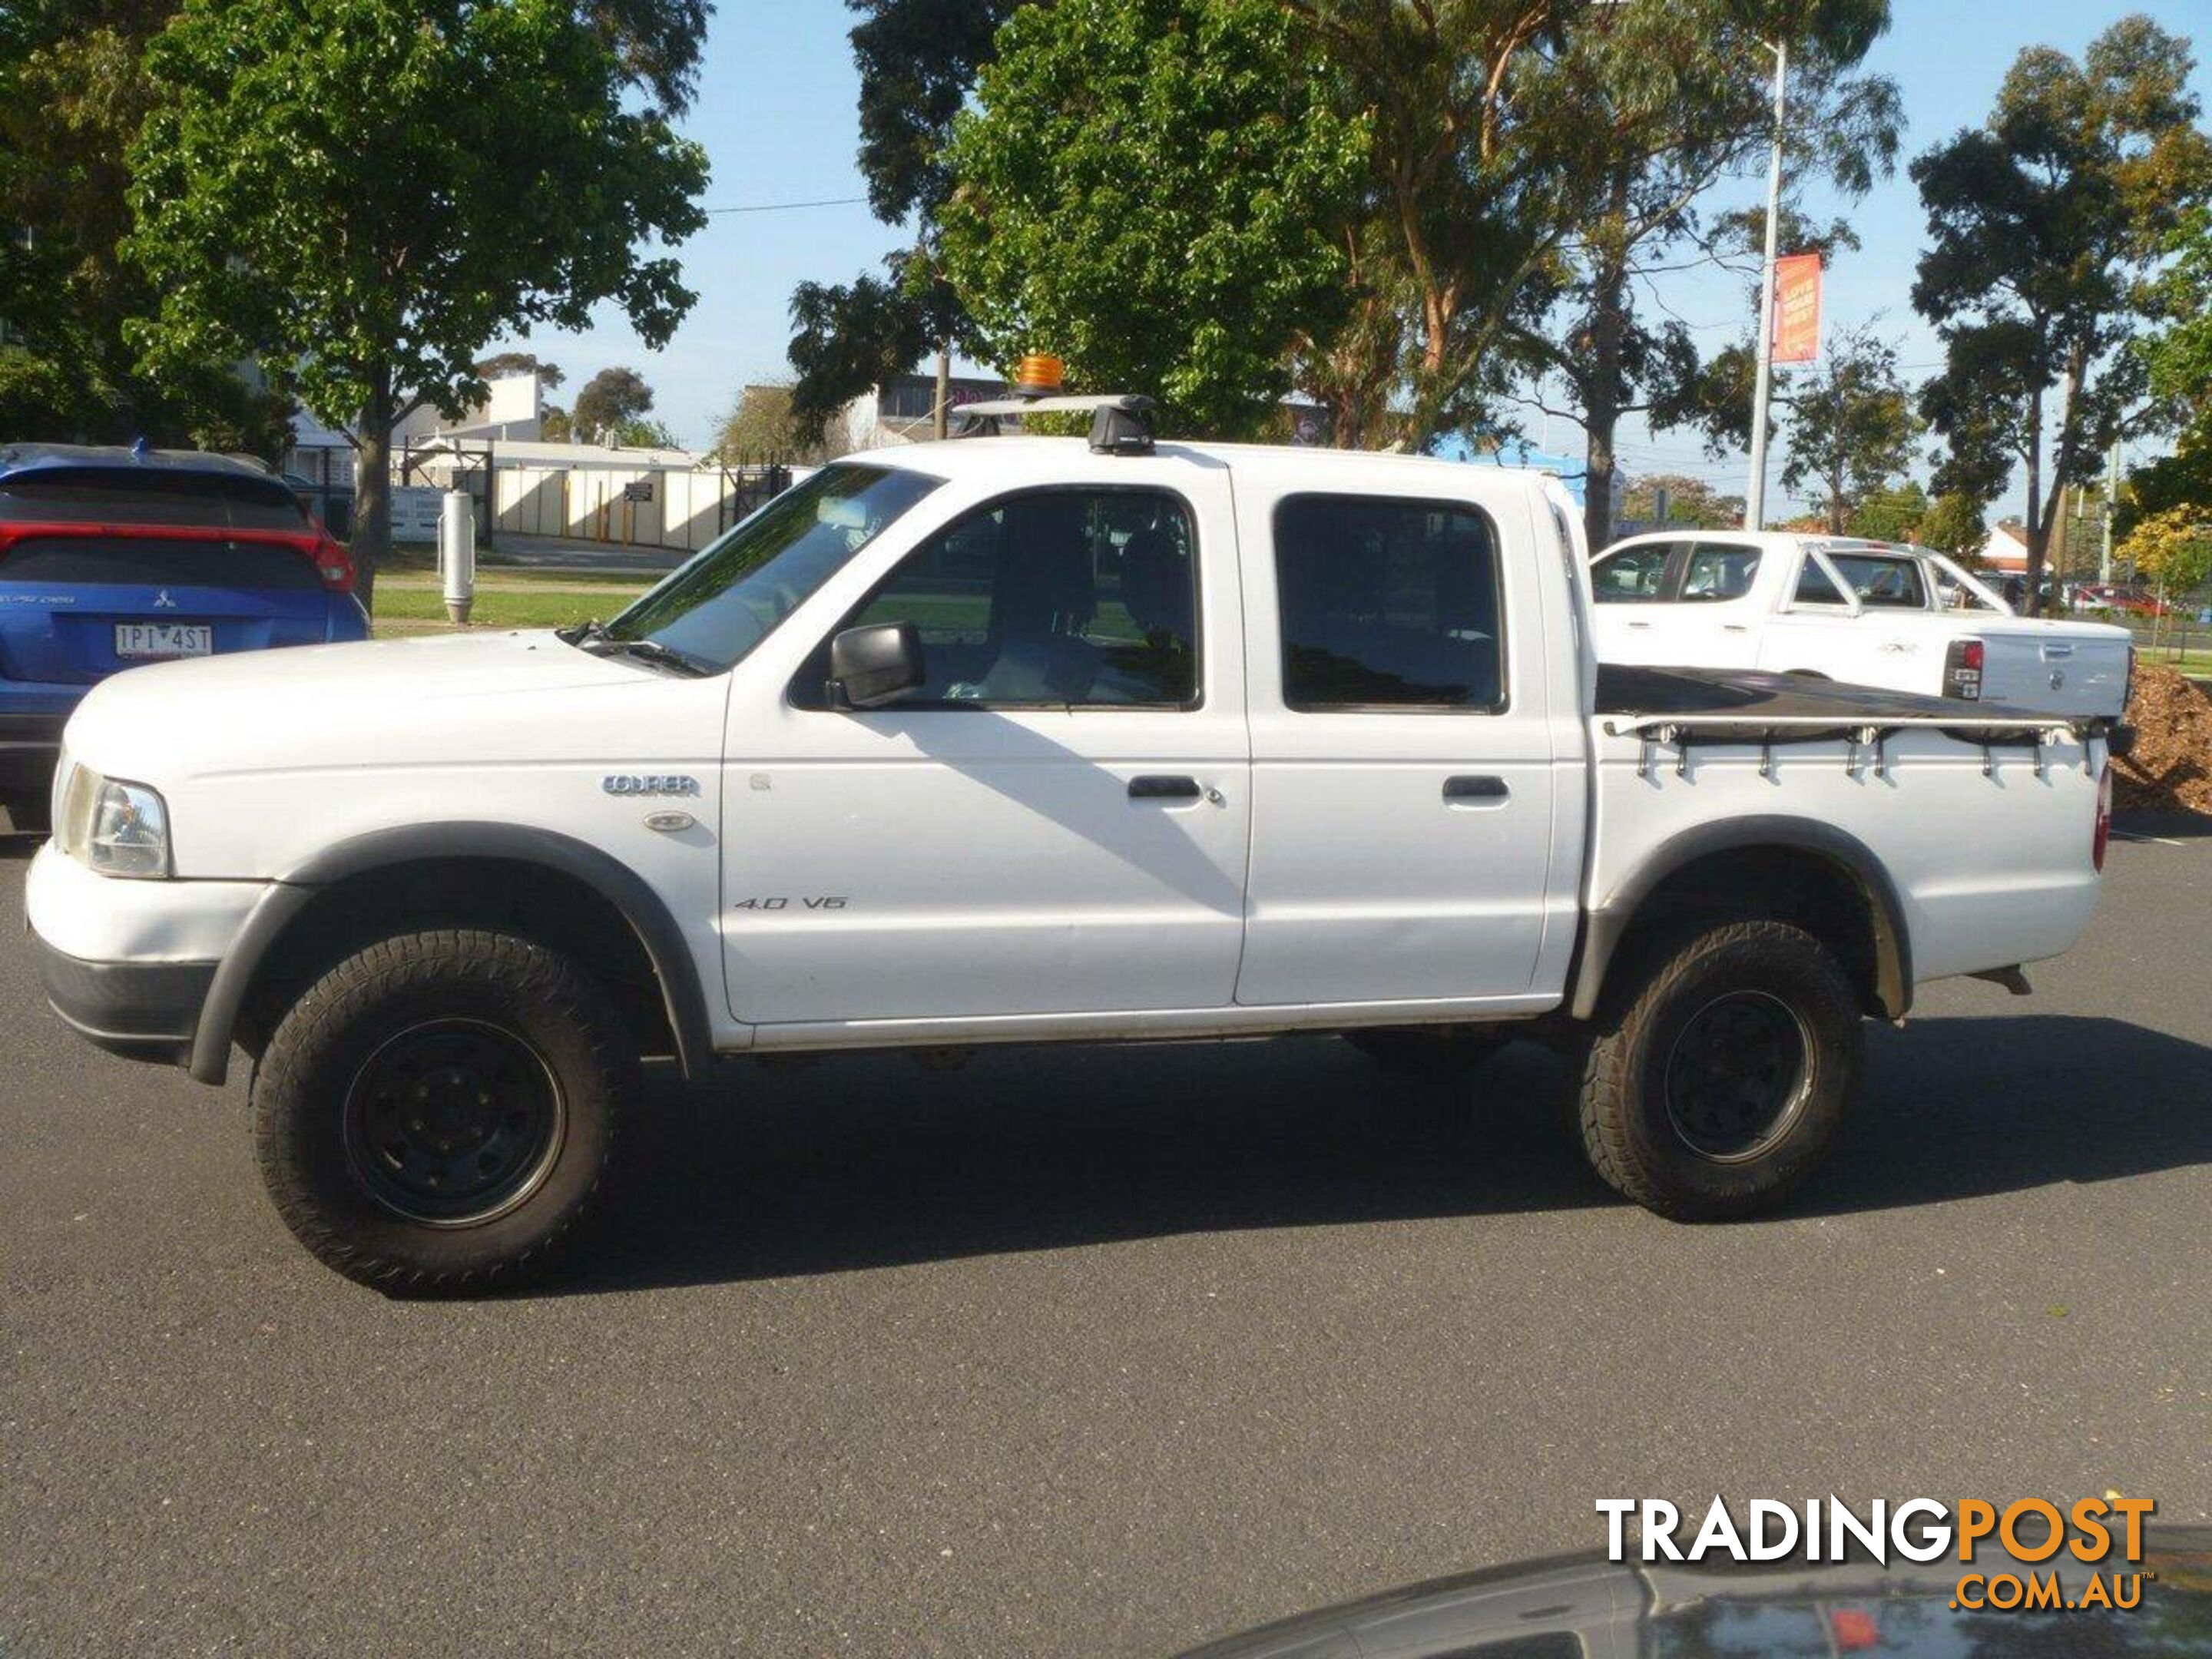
(1087, 1351)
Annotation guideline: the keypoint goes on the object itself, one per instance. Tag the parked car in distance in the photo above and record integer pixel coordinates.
(1024, 740)
(112, 557)
(2127, 601)
(1861, 612)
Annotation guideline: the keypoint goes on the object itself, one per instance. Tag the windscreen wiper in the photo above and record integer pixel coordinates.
(654, 651)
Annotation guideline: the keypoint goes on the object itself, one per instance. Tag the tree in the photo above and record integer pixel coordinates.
(502, 363)
(1954, 525)
(2178, 359)
(760, 428)
(918, 60)
(639, 432)
(497, 179)
(73, 92)
(1891, 514)
(1690, 501)
(1675, 97)
(1151, 189)
(2172, 549)
(2045, 227)
(1852, 427)
(554, 425)
(608, 399)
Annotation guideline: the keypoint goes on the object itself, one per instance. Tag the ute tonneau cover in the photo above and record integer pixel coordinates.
(1746, 705)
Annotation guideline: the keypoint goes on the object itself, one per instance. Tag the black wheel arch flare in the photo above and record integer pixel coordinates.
(1608, 922)
(291, 893)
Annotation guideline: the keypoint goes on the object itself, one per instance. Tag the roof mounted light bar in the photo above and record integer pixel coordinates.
(1121, 422)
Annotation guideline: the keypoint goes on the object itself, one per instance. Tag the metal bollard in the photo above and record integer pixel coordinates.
(457, 552)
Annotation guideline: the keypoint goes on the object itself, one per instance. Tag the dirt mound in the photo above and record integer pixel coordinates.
(2171, 770)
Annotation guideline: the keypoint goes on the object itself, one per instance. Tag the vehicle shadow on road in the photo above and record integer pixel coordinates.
(1956, 1108)
(866, 1161)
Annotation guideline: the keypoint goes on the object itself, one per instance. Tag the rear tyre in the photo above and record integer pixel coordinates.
(1722, 1071)
(1429, 1051)
(435, 1114)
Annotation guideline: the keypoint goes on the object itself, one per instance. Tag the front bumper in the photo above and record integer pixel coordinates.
(141, 1010)
(130, 964)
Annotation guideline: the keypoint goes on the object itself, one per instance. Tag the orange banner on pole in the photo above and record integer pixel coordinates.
(1797, 308)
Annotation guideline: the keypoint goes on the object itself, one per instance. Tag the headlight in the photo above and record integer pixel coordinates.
(113, 828)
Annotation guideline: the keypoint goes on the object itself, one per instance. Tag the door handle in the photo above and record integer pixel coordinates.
(1476, 788)
(1154, 786)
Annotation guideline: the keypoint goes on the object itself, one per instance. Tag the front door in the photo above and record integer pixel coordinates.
(1054, 823)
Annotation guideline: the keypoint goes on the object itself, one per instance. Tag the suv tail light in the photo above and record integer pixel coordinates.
(2101, 839)
(1962, 669)
(334, 563)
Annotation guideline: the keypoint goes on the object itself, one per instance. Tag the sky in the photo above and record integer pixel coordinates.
(775, 112)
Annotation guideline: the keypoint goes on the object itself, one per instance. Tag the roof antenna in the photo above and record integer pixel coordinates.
(140, 449)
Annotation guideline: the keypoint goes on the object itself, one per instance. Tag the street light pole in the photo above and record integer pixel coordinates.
(1754, 497)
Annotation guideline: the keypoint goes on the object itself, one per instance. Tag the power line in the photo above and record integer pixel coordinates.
(788, 207)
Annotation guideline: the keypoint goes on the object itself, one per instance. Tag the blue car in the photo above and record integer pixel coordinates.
(113, 557)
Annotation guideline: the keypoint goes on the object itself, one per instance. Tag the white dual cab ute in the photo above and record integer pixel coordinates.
(1017, 739)
(1861, 612)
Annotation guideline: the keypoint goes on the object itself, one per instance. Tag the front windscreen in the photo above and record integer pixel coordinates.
(730, 598)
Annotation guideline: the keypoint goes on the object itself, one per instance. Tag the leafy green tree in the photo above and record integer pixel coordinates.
(1661, 105)
(369, 191)
(1893, 513)
(2172, 549)
(1153, 189)
(918, 60)
(2046, 225)
(72, 94)
(520, 362)
(608, 399)
(639, 432)
(1954, 525)
(1690, 500)
(2179, 361)
(760, 427)
(1852, 426)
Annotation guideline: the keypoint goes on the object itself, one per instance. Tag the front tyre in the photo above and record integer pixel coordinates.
(435, 1113)
(1722, 1071)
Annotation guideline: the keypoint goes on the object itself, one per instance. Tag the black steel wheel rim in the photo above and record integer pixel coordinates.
(1738, 1076)
(453, 1123)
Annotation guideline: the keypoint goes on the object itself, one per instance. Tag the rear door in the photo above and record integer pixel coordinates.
(1402, 760)
(101, 570)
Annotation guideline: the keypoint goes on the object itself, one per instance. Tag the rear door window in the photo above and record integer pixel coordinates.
(1717, 572)
(1389, 605)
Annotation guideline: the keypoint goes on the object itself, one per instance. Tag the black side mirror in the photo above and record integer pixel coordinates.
(873, 666)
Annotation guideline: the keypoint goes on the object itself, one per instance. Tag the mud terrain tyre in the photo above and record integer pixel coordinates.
(1721, 1070)
(435, 1114)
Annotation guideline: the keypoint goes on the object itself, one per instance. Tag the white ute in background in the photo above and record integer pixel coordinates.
(1859, 612)
(1022, 739)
